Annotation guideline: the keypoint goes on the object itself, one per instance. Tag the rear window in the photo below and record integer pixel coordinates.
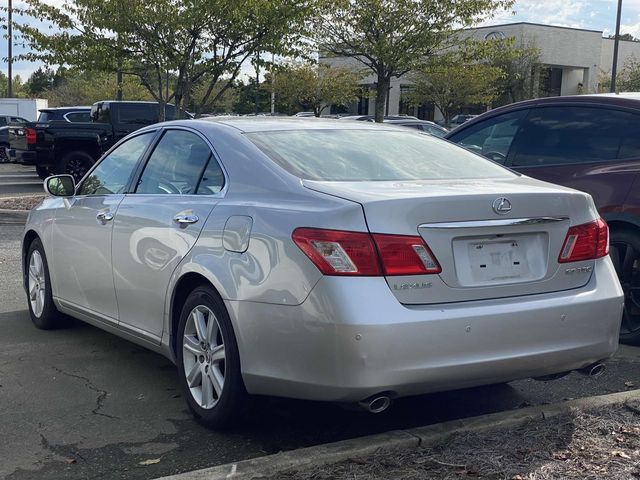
(143, 113)
(372, 155)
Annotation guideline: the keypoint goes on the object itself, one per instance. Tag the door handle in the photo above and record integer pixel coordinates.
(104, 217)
(184, 220)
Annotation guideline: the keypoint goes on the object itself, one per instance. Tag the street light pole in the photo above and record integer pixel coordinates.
(616, 43)
(10, 52)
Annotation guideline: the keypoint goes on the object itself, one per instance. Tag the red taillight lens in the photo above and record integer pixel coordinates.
(30, 133)
(585, 242)
(338, 253)
(405, 255)
(355, 253)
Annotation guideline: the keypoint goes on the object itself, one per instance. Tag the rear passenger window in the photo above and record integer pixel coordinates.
(176, 165)
(493, 137)
(568, 134)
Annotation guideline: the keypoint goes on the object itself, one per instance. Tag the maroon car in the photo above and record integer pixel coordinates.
(587, 142)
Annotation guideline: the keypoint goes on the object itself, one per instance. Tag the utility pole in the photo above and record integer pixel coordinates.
(616, 43)
(257, 79)
(10, 52)
(273, 85)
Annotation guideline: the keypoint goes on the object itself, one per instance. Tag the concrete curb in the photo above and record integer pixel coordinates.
(13, 217)
(395, 440)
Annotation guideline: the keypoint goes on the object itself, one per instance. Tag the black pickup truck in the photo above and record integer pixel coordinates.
(55, 147)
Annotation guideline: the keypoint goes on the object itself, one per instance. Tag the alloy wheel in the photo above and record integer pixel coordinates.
(37, 283)
(204, 356)
(626, 260)
(76, 167)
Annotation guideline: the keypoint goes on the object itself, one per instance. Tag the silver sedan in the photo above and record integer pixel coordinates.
(315, 260)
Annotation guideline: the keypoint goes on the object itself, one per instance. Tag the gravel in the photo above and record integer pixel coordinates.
(587, 445)
(23, 202)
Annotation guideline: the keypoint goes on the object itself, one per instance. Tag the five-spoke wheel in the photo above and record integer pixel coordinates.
(208, 359)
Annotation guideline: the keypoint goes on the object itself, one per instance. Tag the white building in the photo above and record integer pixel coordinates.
(574, 58)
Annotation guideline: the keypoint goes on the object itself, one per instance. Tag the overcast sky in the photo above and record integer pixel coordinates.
(589, 14)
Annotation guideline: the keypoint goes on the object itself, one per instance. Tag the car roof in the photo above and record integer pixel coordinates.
(412, 121)
(62, 109)
(623, 100)
(263, 124)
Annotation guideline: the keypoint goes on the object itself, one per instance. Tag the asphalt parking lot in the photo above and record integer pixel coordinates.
(18, 179)
(81, 403)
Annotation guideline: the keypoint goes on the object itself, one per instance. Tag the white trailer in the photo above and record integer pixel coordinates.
(23, 107)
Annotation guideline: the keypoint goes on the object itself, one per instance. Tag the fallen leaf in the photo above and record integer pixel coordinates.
(151, 461)
(70, 461)
(629, 384)
(619, 453)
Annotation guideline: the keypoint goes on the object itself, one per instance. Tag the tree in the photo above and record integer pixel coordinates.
(40, 81)
(521, 67)
(316, 87)
(393, 37)
(625, 36)
(627, 80)
(170, 45)
(77, 87)
(451, 84)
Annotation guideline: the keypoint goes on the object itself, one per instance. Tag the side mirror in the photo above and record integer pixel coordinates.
(60, 185)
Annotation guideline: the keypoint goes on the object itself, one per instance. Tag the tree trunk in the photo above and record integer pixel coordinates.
(382, 89)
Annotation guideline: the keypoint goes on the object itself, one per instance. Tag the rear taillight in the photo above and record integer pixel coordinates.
(585, 242)
(337, 252)
(30, 133)
(405, 255)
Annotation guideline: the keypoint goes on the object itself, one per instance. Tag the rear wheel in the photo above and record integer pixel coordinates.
(43, 312)
(208, 360)
(75, 163)
(43, 172)
(4, 153)
(625, 255)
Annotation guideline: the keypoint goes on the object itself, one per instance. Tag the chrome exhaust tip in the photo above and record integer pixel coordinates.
(376, 403)
(594, 370)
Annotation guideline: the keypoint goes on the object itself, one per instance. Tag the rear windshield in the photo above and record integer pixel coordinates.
(372, 155)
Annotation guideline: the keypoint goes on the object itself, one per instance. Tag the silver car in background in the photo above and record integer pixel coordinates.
(347, 262)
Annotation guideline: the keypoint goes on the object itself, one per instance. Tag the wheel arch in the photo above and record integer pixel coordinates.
(27, 240)
(183, 287)
(622, 222)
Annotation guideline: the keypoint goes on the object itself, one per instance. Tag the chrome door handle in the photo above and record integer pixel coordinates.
(104, 217)
(185, 220)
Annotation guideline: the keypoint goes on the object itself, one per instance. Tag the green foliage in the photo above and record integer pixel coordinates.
(450, 84)
(85, 88)
(170, 45)
(393, 37)
(627, 79)
(315, 87)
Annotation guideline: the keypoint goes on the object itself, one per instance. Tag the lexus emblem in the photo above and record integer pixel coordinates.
(501, 205)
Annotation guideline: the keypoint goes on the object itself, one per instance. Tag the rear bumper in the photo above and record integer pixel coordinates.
(351, 339)
(29, 157)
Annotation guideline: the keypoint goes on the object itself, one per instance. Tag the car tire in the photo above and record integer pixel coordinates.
(43, 172)
(42, 310)
(211, 382)
(625, 255)
(75, 163)
(4, 153)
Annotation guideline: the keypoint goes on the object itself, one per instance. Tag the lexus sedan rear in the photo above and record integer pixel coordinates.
(344, 263)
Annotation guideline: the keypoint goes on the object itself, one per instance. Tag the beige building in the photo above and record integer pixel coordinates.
(574, 59)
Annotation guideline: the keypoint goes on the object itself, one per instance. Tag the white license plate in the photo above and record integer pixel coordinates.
(493, 261)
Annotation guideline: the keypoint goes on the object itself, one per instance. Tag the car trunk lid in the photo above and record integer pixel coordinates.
(492, 237)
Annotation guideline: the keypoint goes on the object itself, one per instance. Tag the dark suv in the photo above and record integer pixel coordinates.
(587, 142)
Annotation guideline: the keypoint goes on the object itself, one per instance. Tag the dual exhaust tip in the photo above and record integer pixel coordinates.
(380, 402)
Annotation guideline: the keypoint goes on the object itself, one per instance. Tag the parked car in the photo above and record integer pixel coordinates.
(586, 142)
(69, 147)
(345, 262)
(422, 125)
(5, 121)
(372, 118)
(305, 114)
(65, 114)
(458, 120)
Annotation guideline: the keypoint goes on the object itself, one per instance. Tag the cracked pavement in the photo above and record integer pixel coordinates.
(80, 403)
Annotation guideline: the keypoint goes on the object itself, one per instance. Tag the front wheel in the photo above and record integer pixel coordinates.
(44, 314)
(208, 360)
(625, 255)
